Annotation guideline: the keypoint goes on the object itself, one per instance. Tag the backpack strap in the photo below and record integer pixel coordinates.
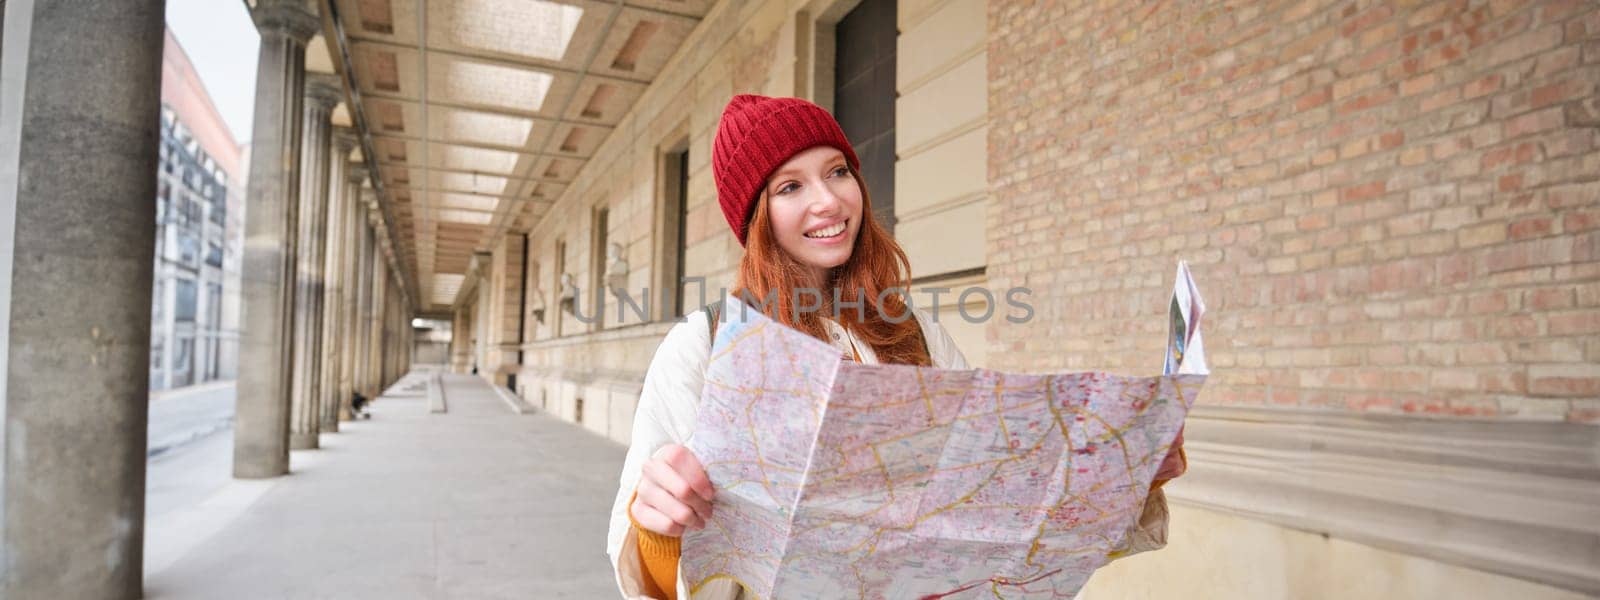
(922, 334)
(713, 314)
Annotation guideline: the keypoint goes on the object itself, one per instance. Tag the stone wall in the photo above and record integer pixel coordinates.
(778, 48)
(1390, 206)
(600, 366)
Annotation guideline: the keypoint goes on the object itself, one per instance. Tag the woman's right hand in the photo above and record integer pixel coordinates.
(674, 493)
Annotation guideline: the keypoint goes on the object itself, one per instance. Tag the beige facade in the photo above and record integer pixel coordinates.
(1216, 555)
(595, 368)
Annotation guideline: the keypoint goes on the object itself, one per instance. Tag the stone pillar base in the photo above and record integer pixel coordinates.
(303, 441)
(258, 469)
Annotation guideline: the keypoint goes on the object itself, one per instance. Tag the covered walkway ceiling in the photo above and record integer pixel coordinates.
(480, 112)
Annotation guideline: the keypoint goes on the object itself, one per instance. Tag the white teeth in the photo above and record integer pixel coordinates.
(829, 232)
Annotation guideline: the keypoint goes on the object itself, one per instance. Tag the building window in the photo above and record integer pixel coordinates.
(672, 251)
(864, 95)
(214, 254)
(182, 359)
(558, 289)
(213, 305)
(163, 196)
(184, 306)
(597, 263)
(188, 249)
(197, 211)
(537, 309)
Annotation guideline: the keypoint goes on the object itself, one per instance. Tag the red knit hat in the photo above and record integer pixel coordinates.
(755, 136)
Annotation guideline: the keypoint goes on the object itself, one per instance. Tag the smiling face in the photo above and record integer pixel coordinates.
(814, 204)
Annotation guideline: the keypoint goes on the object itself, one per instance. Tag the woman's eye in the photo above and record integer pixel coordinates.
(787, 187)
(840, 172)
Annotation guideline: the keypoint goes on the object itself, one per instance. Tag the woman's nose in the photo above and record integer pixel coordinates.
(825, 201)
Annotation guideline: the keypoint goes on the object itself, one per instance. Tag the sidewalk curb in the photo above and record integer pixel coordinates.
(199, 388)
(513, 401)
(436, 401)
(163, 446)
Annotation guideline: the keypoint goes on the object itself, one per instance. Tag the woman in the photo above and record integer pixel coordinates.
(790, 187)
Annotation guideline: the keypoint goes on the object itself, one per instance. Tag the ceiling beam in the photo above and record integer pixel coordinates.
(505, 62)
(519, 150)
(407, 165)
(476, 146)
(513, 178)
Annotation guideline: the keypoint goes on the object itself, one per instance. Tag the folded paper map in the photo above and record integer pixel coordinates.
(841, 480)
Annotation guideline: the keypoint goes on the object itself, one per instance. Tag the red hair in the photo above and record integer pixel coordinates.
(877, 263)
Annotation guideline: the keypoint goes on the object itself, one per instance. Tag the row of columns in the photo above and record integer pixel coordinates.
(322, 316)
(472, 347)
(79, 135)
(322, 309)
(462, 338)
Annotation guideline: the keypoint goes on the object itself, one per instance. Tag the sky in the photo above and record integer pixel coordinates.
(222, 43)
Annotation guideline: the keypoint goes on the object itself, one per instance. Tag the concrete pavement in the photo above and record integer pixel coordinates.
(477, 502)
(188, 474)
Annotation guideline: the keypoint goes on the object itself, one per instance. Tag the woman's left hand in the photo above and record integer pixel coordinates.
(1174, 464)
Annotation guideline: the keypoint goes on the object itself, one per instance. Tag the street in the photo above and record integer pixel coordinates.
(184, 415)
(190, 448)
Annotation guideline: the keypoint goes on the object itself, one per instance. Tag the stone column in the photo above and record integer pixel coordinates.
(403, 325)
(407, 353)
(322, 93)
(396, 320)
(261, 420)
(363, 308)
(397, 336)
(484, 318)
(380, 279)
(333, 317)
(356, 218)
(385, 322)
(79, 116)
(385, 362)
(460, 341)
(397, 323)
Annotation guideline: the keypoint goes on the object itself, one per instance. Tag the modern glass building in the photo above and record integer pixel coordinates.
(194, 304)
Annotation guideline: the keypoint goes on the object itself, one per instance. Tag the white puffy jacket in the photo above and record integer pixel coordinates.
(666, 415)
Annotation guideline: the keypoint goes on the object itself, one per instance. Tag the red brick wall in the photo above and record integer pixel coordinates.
(1390, 206)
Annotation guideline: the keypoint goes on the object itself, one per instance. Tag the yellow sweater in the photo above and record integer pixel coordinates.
(659, 553)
